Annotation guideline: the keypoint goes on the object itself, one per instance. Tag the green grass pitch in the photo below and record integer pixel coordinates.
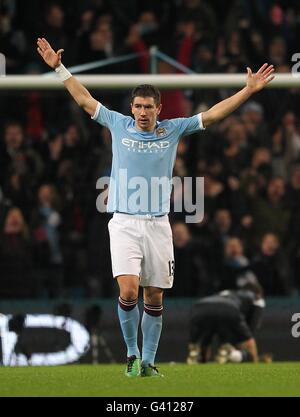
(276, 379)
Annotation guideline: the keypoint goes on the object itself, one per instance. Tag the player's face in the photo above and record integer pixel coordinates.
(145, 113)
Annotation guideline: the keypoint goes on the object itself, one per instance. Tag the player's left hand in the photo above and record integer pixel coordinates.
(256, 82)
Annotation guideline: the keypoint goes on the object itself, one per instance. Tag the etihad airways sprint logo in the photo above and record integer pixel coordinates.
(145, 147)
(140, 195)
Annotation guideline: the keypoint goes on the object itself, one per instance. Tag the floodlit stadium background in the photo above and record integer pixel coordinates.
(52, 152)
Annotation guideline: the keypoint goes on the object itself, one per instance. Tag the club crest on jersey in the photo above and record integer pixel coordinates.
(160, 131)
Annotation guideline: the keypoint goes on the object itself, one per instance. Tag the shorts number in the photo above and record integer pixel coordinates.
(171, 268)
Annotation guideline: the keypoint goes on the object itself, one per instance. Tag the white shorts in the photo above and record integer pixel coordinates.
(142, 246)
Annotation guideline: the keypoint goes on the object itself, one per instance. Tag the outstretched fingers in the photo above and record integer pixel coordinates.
(268, 70)
(43, 44)
(40, 46)
(46, 43)
(40, 51)
(265, 71)
(267, 74)
(262, 68)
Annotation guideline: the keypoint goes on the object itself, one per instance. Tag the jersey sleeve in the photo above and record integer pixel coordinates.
(241, 330)
(188, 125)
(106, 117)
(255, 316)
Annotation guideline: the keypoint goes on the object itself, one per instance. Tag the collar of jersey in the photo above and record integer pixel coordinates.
(146, 134)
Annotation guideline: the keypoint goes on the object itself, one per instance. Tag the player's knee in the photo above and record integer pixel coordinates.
(129, 294)
(153, 296)
(129, 287)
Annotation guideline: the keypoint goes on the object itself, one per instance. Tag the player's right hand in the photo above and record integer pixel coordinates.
(52, 58)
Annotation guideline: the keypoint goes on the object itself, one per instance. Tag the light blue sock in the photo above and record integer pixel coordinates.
(151, 328)
(129, 321)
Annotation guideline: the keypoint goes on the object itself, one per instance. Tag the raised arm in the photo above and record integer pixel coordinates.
(80, 94)
(255, 83)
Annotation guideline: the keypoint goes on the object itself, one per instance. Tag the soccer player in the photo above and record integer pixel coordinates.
(232, 316)
(141, 239)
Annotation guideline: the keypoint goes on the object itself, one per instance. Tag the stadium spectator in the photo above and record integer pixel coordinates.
(12, 44)
(286, 143)
(46, 222)
(271, 214)
(234, 59)
(18, 157)
(236, 148)
(234, 265)
(204, 61)
(18, 193)
(278, 51)
(223, 228)
(16, 258)
(54, 27)
(272, 268)
(223, 225)
(261, 165)
(148, 26)
(257, 130)
(203, 15)
(213, 195)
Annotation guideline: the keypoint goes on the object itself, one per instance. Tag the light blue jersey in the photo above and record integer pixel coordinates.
(142, 164)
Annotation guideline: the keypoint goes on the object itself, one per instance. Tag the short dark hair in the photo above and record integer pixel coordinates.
(252, 284)
(146, 90)
(13, 123)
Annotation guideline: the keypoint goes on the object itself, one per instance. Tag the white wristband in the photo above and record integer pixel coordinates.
(62, 73)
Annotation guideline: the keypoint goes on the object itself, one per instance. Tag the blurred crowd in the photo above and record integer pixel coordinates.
(53, 241)
(202, 34)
